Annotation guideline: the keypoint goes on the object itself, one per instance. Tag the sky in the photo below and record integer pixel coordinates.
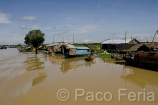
(88, 20)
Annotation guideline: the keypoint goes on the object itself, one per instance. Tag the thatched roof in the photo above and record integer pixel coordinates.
(69, 46)
(136, 47)
(134, 41)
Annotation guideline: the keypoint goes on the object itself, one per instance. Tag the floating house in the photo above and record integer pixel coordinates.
(114, 45)
(69, 50)
(131, 48)
(56, 47)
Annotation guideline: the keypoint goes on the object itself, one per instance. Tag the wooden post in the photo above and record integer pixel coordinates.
(125, 37)
(73, 38)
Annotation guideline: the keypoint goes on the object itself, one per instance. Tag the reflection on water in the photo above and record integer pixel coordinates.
(109, 61)
(34, 63)
(73, 63)
(24, 76)
(145, 79)
(139, 77)
(7, 53)
(56, 59)
(70, 63)
(41, 77)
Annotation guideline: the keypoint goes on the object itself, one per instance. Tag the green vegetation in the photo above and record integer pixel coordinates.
(35, 38)
(105, 55)
(19, 46)
(76, 44)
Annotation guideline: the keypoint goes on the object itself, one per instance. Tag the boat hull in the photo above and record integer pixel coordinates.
(148, 60)
(89, 58)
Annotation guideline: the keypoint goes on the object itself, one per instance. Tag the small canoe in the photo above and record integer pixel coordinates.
(89, 58)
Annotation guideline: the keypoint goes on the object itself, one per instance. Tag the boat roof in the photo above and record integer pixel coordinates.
(83, 48)
(70, 46)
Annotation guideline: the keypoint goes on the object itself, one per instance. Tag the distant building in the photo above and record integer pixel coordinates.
(116, 44)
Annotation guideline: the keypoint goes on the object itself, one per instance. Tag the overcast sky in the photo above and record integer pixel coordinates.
(88, 20)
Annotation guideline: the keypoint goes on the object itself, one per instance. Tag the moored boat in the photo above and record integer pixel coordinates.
(143, 59)
(89, 57)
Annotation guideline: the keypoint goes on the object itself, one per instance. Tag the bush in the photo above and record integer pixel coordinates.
(105, 55)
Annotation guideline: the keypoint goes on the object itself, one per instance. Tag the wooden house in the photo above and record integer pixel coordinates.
(56, 47)
(69, 50)
(115, 45)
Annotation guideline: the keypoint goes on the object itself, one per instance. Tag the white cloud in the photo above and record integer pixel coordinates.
(4, 18)
(59, 33)
(98, 5)
(65, 32)
(30, 27)
(23, 27)
(113, 5)
(31, 18)
(48, 28)
(88, 41)
(69, 18)
(141, 37)
(34, 27)
(87, 28)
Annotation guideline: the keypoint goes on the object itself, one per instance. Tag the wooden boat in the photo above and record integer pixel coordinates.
(89, 57)
(143, 59)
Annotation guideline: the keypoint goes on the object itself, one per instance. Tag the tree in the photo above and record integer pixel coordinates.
(19, 45)
(35, 38)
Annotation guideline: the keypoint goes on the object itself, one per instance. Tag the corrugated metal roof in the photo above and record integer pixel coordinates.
(116, 41)
(83, 48)
(53, 44)
(70, 46)
(49, 45)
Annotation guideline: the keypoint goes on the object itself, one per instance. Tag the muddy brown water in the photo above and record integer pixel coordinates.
(27, 79)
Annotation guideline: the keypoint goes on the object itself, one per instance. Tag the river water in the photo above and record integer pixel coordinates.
(29, 79)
